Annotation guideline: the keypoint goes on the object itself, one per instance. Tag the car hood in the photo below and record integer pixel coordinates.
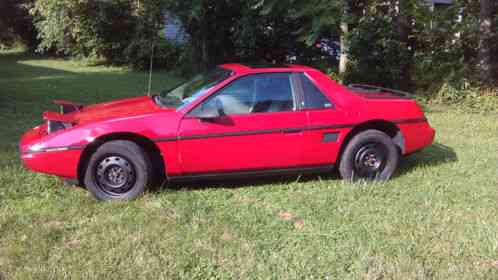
(121, 108)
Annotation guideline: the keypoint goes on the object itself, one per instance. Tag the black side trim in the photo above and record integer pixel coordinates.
(252, 132)
(337, 126)
(230, 134)
(253, 173)
(292, 130)
(80, 147)
(165, 139)
(276, 130)
(408, 121)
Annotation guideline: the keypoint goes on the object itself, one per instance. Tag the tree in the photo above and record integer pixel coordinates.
(16, 23)
(346, 16)
(209, 24)
(120, 31)
(486, 36)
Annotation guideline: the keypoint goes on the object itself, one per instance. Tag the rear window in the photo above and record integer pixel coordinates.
(313, 97)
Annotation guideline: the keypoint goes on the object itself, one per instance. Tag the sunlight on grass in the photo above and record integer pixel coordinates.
(435, 220)
(72, 66)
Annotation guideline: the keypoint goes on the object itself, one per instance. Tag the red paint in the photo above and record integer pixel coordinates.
(234, 143)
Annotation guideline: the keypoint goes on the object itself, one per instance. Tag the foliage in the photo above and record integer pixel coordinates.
(403, 44)
(16, 24)
(165, 54)
(83, 28)
(435, 219)
(376, 54)
(117, 30)
(209, 24)
(464, 98)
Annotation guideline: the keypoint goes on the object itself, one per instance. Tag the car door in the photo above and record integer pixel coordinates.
(256, 126)
(327, 124)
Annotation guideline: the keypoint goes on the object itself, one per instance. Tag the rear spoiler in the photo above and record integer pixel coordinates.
(375, 89)
(67, 107)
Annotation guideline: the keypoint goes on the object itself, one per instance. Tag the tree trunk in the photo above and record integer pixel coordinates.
(404, 30)
(343, 61)
(486, 34)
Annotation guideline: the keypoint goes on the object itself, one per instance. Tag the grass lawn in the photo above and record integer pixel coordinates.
(437, 219)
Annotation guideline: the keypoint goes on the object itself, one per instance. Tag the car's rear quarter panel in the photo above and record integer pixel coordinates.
(406, 114)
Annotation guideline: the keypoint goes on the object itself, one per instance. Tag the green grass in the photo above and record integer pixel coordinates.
(437, 219)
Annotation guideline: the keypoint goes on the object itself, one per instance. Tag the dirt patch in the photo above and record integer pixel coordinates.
(299, 224)
(286, 216)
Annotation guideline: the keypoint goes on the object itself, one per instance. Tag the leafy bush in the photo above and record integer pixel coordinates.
(165, 54)
(376, 55)
(466, 97)
(120, 32)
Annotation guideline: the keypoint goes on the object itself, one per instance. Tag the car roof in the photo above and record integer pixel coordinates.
(262, 68)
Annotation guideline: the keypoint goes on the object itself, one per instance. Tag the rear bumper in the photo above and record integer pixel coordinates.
(417, 136)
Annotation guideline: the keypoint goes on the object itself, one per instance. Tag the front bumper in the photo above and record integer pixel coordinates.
(63, 164)
(59, 161)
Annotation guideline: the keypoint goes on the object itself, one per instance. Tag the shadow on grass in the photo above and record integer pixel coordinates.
(433, 155)
(248, 182)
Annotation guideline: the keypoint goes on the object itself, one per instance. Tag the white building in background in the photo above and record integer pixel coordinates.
(173, 29)
(443, 3)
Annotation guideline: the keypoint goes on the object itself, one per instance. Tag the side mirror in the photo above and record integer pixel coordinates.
(212, 113)
(207, 116)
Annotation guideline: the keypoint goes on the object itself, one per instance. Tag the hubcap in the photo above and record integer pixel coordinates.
(115, 175)
(370, 160)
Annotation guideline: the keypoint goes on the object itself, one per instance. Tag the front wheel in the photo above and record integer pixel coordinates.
(118, 170)
(370, 155)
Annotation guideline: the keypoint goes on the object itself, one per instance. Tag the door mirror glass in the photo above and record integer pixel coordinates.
(210, 110)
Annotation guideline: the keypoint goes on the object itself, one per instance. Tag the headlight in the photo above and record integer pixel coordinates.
(36, 148)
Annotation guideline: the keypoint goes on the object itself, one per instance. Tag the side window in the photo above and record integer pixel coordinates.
(258, 93)
(313, 97)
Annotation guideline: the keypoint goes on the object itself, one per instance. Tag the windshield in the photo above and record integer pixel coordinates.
(187, 92)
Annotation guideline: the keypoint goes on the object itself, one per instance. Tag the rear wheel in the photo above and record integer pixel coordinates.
(370, 155)
(118, 170)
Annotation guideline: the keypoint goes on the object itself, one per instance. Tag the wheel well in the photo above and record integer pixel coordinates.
(387, 127)
(149, 147)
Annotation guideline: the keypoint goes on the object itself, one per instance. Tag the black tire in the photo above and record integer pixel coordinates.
(370, 155)
(118, 170)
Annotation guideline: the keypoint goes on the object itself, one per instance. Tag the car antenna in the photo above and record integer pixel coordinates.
(150, 67)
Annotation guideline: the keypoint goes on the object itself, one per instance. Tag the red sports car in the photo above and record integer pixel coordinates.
(235, 120)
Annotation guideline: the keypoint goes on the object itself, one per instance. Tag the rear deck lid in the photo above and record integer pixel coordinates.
(375, 92)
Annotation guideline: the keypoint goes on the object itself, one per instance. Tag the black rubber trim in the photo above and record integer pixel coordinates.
(252, 132)
(276, 130)
(252, 173)
(409, 121)
(230, 134)
(292, 130)
(165, 139)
